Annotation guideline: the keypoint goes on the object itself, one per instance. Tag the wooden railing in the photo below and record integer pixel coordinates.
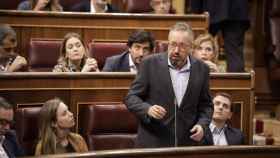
(99, 27)
(77, 89)
(183, 152)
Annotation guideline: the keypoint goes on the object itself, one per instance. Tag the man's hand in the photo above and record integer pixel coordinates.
(198, 133)
(157, 112)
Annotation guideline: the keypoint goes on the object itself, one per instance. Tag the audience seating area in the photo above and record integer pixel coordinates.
(44, 53)
(96, 102)
(107, 126)
(136, 6)
(12, 4)
(27, 125)
(103, 125)
(96, 99)
(101, 50)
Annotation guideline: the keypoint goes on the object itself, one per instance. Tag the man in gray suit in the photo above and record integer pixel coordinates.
(170, 95)
(220, 132)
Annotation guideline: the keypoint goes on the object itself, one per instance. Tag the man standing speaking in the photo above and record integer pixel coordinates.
(170, 95)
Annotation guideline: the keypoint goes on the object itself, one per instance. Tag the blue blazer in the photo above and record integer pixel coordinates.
(117, 63)
(12, 146)
(234, 136)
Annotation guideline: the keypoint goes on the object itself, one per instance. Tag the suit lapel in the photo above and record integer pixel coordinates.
(7, 147)
(167, 79)
(125, 62)
(228, 138)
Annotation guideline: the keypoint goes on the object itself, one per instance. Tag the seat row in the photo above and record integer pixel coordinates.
(130, 6)
(104, 125)
(43, 53)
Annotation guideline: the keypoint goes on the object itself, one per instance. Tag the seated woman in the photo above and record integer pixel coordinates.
(74, 56)
(55, 134)
(40, 5)
(9, 60)
(206, 49)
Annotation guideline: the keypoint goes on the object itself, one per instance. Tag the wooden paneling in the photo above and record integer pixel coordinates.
(94, 26)
(78, 88)
(184, 152)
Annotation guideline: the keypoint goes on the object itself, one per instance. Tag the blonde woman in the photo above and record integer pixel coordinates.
(74, 56)
(55, 134)
(206, 49)
(40, 5)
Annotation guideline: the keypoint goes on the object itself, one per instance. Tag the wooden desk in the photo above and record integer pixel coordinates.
(101, 27)
(80, 89)
(183, 152)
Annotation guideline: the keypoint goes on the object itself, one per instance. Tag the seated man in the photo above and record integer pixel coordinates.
(9, 60)
(221, 132)
(9, 147)
(140, 44)
(162, 6)
(95, 6)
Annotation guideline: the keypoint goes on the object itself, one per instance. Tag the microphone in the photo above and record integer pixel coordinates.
(175, 126)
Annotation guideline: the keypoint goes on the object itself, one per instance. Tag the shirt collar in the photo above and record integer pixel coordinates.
(92, 8)
(131, 63)
(212, 127)
(185, 68)
(2, 139)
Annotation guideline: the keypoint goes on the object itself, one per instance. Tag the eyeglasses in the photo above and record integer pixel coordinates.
(181, 46)
(5, 122)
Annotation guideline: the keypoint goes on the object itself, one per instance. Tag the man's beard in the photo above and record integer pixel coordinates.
(175, 63)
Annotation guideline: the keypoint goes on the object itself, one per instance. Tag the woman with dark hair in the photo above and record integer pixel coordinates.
(74, 56)
(9, 60)
(55, 134)
(40, 5)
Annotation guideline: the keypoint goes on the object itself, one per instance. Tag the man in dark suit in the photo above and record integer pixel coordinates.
(140, 44)
(9, 146)
(95, 6)
(231, 18)
(170, 95)
(220, 133)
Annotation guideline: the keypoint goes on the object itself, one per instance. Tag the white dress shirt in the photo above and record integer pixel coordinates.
(3, 153)
(132, 66)
(180, 79)
(219, 137)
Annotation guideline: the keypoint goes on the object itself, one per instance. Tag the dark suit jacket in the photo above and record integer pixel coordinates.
(234, 136)
(221, 10)
(153, 85)
(84, 6)
(117, 63)
(11, 145)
